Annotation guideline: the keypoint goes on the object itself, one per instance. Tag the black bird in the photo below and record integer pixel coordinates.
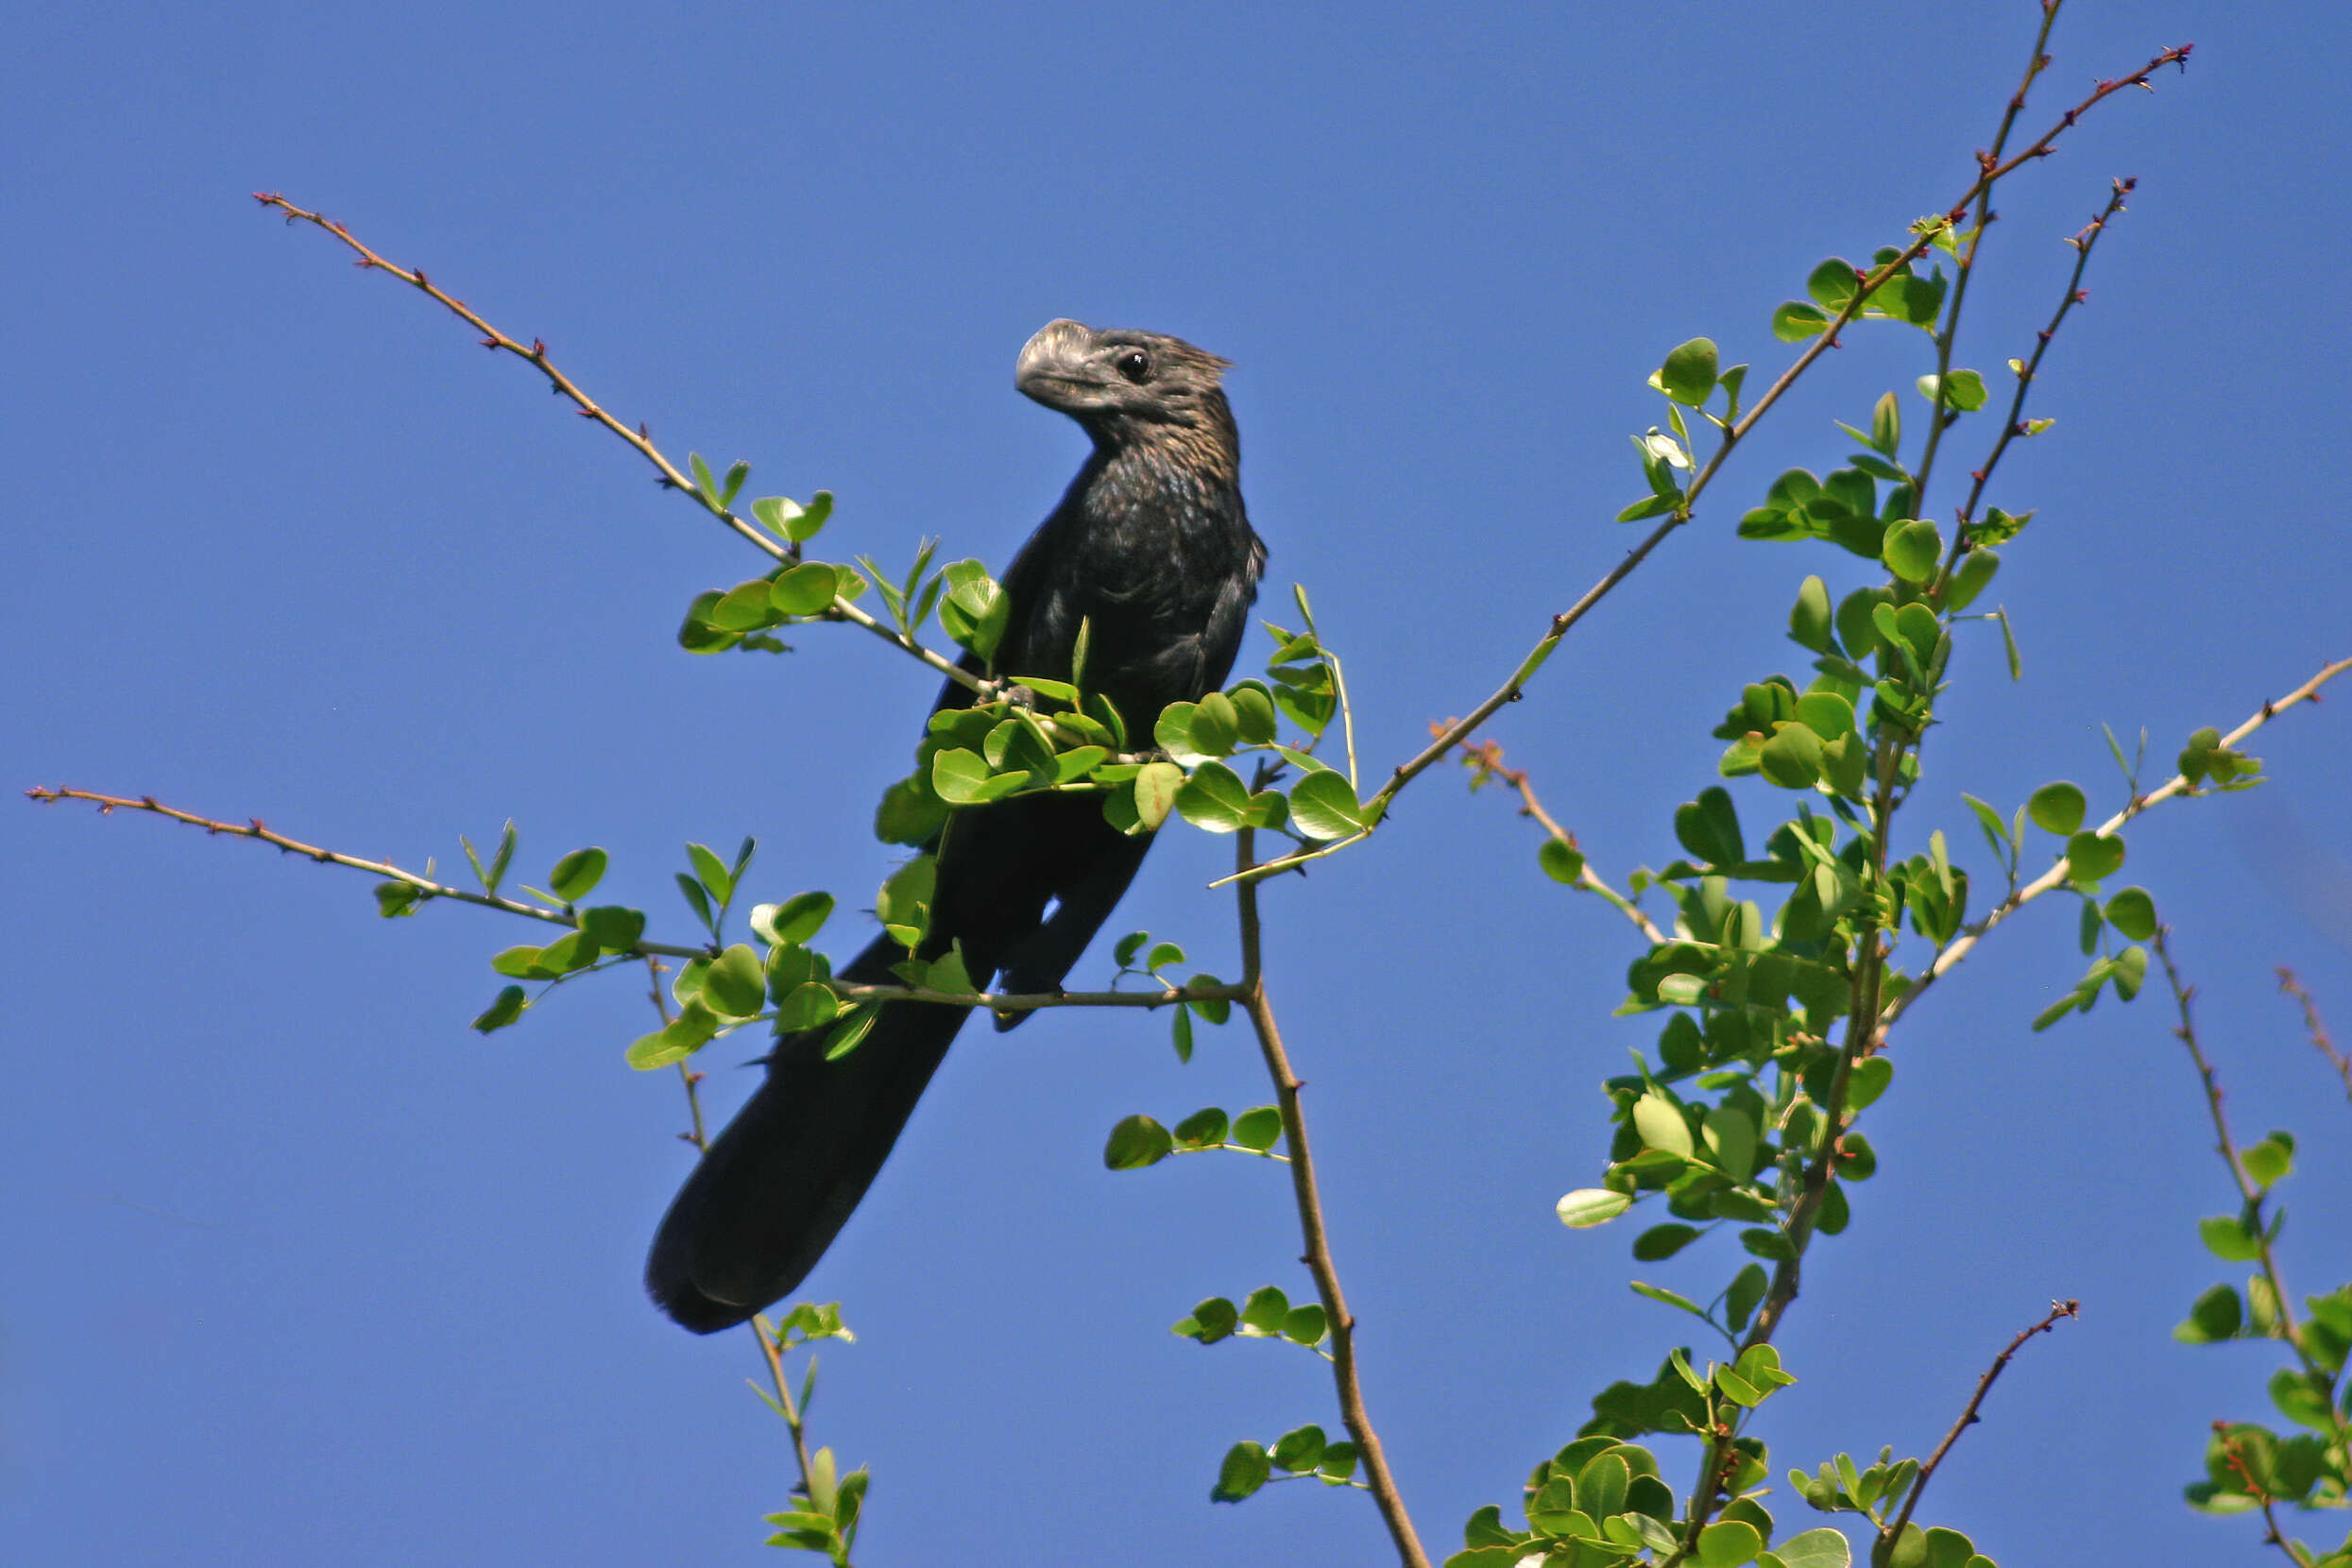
(1152, 549)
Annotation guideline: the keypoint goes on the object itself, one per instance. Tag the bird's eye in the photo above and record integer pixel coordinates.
(1135, 365)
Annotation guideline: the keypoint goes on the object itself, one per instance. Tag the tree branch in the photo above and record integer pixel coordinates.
(1311, 1228)
(254, 828)
(2055, 877)
(1991, 170)
(2317, 1031)
(1889, 1536)
(1485, 760)
(535, 354)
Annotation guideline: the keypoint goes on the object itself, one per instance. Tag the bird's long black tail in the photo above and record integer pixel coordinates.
(780, 1181)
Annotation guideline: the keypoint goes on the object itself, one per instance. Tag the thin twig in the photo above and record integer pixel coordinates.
(2235, 1457)
(994, 1001)
(2316, 1030)
(1964, 264)
(2055, 877)
(535, 353)
(1893, 1532)
(254, 828)
(1485, 760)
(774, 1355)
(654, 969)
(2014, 425)
(1311, 1228)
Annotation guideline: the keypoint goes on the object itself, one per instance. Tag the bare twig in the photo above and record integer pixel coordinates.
(2014, 425)
(2316, 1030)
(1485, 760)
(535, 353)
(654, 969)
(1893, 1532)
(2055, 877)
(1311, 1227)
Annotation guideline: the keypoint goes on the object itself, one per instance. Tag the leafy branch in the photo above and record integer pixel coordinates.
(2064, 869)
(713, 495)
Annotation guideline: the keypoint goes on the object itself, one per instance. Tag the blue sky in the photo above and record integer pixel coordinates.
(299, 1269)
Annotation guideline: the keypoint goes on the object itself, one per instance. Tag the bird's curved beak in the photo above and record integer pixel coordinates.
(1053, 369)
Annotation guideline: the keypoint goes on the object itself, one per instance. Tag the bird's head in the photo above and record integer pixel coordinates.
(1125, 385)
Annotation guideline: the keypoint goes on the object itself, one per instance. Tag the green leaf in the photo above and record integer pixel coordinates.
(1912, 550)
(2092, 856)
(1663, 1241)
(977, 610)
(1324, 807)
(1299, 1450)
(1259, 1127)
(1729, 1542)
(1203, 1129)
(1793, 322)
(1886, 425)
(576, 874)
(2132, 912)
(1669, 1297)
(2269, 1162)
(1155, 789)
(1306, 1324)
(1866, 1081)
(904, 902)
(1266, 1309)
(1689, 374)
(1792, 758)
(1822, 1547)
(849, 1035)
(809, 1005)
(1809, 619)
(1998, 527)
(1660, 1122)
(1213, 1319)
(1216, 724)
(1561, 861)
(1244, 1471)
(795, 920)
(1963, 390)
(1832, 284)
(397, 900)
(958, 776)
(1708, 827)
(744, 607)
(1590, 1206)
(1970, 578)
(805, 589)
(1748, 1289)
(2228, 1237)
(702, 481)
(712, 870)
(1730, 1135)
(612, 928)
(1214, 798)
(506, 1010)
(1136, 1142)
(735, 985)
(2056, 808)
